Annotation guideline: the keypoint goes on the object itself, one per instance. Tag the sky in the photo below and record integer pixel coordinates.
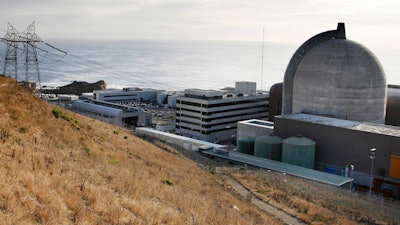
(369, 22)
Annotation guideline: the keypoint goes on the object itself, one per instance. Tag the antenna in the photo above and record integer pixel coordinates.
(262, 60)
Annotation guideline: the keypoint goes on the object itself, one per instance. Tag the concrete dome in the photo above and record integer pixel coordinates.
(339, 78)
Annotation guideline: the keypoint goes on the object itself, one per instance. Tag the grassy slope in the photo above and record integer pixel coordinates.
(314, 202)
(75, 170)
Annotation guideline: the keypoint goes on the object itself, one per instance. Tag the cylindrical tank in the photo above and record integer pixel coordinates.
(299, 151)
(269, 147)
(246, 145)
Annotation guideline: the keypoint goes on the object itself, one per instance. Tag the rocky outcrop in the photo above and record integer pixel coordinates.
(77, 88)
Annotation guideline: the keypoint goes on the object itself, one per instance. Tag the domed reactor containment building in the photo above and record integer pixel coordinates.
(332, 76)
(334, 93)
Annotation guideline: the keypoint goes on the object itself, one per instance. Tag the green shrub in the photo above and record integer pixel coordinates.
(87, 150)
(57, 113)
(168, 182)
(113, 161)
(23, 130)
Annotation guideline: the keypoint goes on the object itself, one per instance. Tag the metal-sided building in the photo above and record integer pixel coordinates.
(113, 113)
(343, 142)
(127, 95)
(335, 93)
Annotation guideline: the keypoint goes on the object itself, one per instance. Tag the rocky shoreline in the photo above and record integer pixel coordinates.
(77, 88)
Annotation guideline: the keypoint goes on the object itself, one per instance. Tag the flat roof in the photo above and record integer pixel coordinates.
(178, 137)
(294, 170)
(201, 92)
(261, 123)
(125, 90)
(347, 124)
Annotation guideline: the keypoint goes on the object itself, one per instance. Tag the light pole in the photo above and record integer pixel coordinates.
(372, 157)
(351, 176)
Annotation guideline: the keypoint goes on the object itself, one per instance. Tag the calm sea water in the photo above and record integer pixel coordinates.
(172, 65)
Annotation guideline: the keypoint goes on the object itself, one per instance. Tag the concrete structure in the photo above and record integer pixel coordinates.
(332, 76)
(212, 116)
(246, 87)
(68, 97)
(177, 141)
(165, 127)
(342, 142)
(171, 102)
(127, 95)
(191, 144)
(162, 97)
(275, 101)
(253, 128)
(393, 106)
(114, 113)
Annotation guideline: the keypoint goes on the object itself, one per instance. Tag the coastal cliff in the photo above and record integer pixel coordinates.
(77, 88)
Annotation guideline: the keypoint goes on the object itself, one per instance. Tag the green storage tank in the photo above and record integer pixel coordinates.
(299, 151)
(246, 145)
(269, 147)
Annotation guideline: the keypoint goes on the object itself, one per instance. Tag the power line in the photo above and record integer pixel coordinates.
(31, 49)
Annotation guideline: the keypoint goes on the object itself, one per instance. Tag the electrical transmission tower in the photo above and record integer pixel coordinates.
(11, 57)
(29, 39)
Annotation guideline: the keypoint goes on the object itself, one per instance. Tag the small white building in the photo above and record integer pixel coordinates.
(254, 128)
(165, 127)
(246, 87)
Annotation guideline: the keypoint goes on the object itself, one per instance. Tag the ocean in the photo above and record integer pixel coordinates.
(171, 65)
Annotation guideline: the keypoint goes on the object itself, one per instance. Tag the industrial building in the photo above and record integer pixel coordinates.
(393, 105)
(112, 113)
(332, 76)
(335, 94)
(340, 143)
(253, 128)
(212, 115)
(132, 94)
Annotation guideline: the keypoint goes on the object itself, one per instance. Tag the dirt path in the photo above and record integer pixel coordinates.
(243, 191)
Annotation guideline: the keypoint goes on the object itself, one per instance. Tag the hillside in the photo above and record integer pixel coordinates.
(58, 167)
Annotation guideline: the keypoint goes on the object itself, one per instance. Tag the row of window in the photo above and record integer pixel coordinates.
(198, 131)
(113, 96)
(259, 109)
(205, 126)
(238, 102)
(180, 110)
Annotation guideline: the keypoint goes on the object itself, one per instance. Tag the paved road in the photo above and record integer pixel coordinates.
(243, 191)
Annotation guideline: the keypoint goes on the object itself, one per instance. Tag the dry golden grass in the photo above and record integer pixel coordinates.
(314, 202)
(76, 170)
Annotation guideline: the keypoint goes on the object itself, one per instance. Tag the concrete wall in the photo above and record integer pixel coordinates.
(341, 146)
(251, 130)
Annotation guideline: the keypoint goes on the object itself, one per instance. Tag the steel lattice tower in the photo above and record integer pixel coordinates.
(11, 57)
(29, 38)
